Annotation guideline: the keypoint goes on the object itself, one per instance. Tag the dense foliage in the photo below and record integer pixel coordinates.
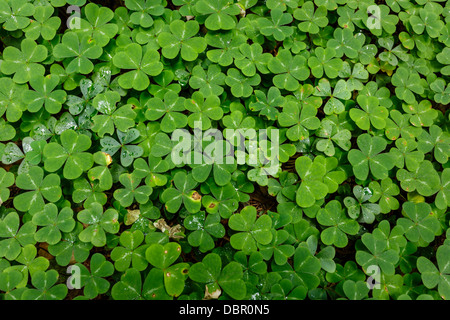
(357, 93)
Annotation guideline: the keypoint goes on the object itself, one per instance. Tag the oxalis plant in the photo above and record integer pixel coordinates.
(224, 149)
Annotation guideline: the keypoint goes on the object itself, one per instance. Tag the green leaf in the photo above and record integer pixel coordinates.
(219, 14)
(369, 157)
(338, 225)
(432, 276)
(289, 70)
(142, 63)
(181, 39)
(419, 225)
(98, 223)
(80, 50)
(24, 63)
(251, 230)
(71, 154)
(311, 19)
(53, 223)
(38, 187)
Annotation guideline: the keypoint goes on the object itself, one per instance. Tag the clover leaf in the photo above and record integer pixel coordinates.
(385, 194)
(24, 63)
(7, 132)
(311, 19)
(215, 161)
(208, 82)
(422, 113)
(8, 282)
(406, 154)
(398, 125)
(340, 91)
(163, 257)
(45, 287)
(222, 200)
(388, 21)
(426, 20)
(44, 94)
(89, 90)
(307, 267)
(170, 110)
(11, 102)
(131, 252)
(312, 187)
(204, 230)
(442, 197)
(251, 230)
(289, 70)
(324, 62)
(15, 15)
(435, 140)
(227, 48)
(371, 114)
(16, 236)
(80, 50)
(345, 43)
(6, 181)
(220, 14)
(112, 117)
(88, 192)
(44, 24)
(28, 263)
(71, 248)
(53, 223)
(330, 134)
(338, 225)
(181, 39)
(407, 83)
(98, 223)
(182, 193)
(203, 109)
(419, 224)
(92, 280)
(132, 190)
(164, 83)
(128, 151)
(143, 63)
(391, 54)
(425, 180)
(267, 103)
(370, 158)
(71, 154)
(278, 249)
(378, 254)
(355, 290)
(358, 206)
(433, 276)
(229, 278)
(240, 85)
(130, 286)
(38, 187)
(144, 10)
(277, 25)
(300, 120)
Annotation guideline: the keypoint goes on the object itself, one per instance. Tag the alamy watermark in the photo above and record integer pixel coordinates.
(241, 146)
(74, 280)
(74, 21)
(374, 19)
(374, 280)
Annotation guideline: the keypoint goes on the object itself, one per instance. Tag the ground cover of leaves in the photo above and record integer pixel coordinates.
(352, 95)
